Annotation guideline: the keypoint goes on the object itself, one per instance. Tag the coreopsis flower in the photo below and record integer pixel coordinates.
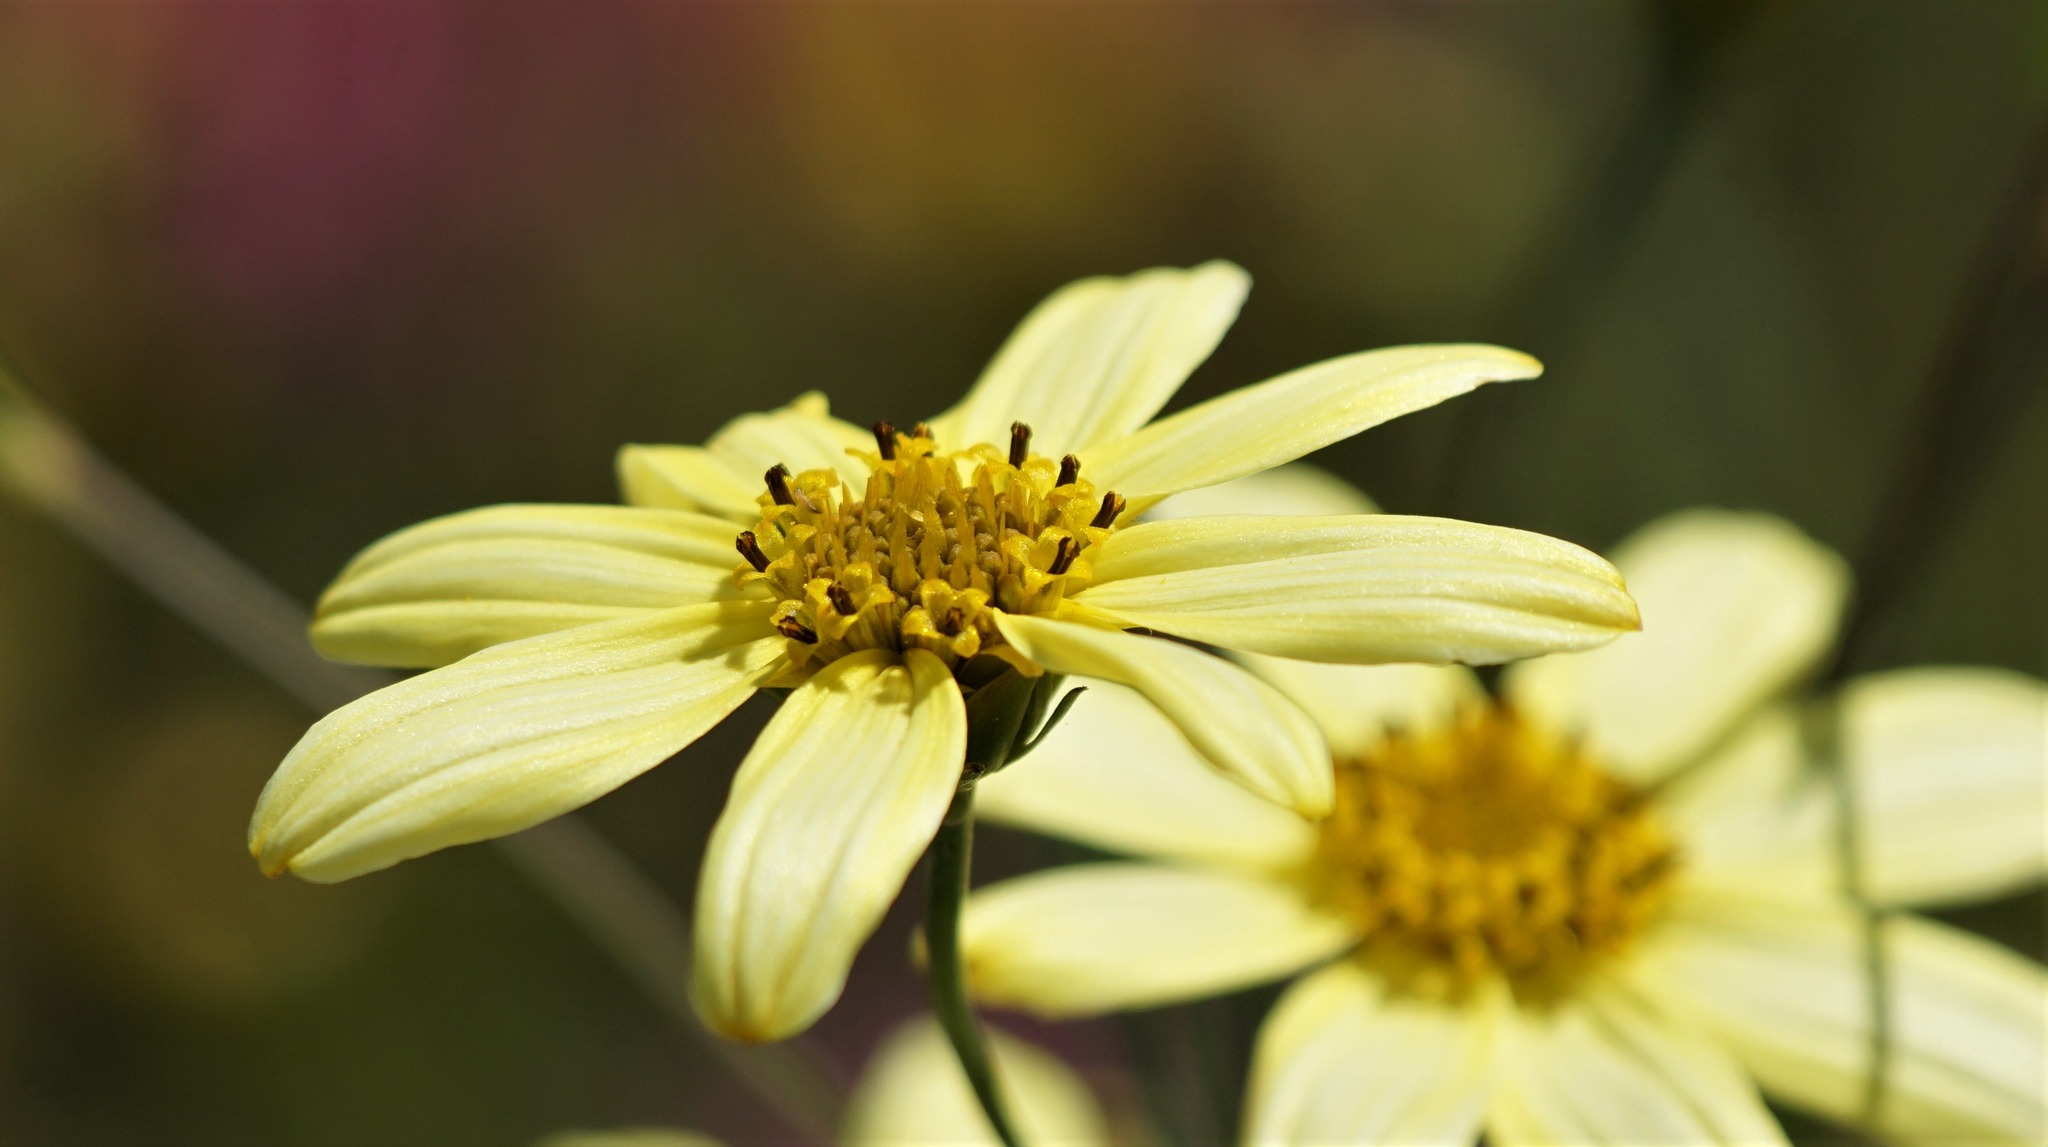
(878, 574)
(1605, 908)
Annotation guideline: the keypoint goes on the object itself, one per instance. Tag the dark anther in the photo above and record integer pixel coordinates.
(1063, 559)
(1070, 469)
(778, 485)
(1112, 505)
(841, 600)
(797, 630)
(750, 549)
(921, 430)
(885, 439)
(1020, 443)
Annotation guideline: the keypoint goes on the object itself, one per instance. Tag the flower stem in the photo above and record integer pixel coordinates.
(951, 854)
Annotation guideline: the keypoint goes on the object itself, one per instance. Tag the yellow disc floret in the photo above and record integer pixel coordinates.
(923, 556)
(1490, 848)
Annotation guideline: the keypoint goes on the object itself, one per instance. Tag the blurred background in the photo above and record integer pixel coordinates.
(313, 272)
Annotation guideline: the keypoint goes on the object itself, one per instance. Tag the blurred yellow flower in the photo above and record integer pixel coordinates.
(574, 647)
(1604, 909)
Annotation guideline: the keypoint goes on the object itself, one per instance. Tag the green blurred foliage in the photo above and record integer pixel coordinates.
(314, 272)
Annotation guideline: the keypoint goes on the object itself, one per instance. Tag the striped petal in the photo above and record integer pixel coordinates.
(1363, 589)
(1951, 769)
(1609, 1067)
(1241, 725)
(688, 478)
(802, 436)
(1785, 986)
(828, 813)
(439, 591)
(1342, 1061)
(507, 738)
(1118, 775)
(1356, 706)
(1294, 489)
(1736, 608)
(1102, 937)
(913, 1092)
(1258, 427)
(1098, 358)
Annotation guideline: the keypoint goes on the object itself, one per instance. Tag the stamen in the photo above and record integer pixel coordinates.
(922, 430)
(750, 549)
(885, 440)
(1070, 469)
(778, 485)
(1020, 443)
(797, 630)
(1112, 505)
(1063, 558)
(841, 600)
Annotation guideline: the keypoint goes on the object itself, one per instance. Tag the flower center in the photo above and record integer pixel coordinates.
(928, 551)
(1490, 848)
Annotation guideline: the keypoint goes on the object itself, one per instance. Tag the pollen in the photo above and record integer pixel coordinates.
(1490, 848)
(926, 552)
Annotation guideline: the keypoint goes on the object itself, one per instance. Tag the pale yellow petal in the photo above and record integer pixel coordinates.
(1362, 589)
(1103, 937)
(1784, 985)
(1117, 774)
(1294, 489)
(629, 1137)
(688, 478)
(913, 1094)
(1951, 769)
(1610, 1066)
(1736, 608)
(1356, 706)
(1757, 814)
(507, 738)
(1098, 358)
(1258, 427)
(1340, 1060)
(439, 591)
(1239, 724)
(828, 813)
(802, 436)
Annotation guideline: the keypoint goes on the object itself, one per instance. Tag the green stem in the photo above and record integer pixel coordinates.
(951, 855)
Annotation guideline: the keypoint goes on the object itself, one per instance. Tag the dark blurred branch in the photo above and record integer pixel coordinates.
(1547, 312)
(1993, 358)
(47, 466)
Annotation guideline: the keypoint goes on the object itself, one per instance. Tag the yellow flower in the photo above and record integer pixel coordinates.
(1603, 910)
(913, 1094)
(574, 647)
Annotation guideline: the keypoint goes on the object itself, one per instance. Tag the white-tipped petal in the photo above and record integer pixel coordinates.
(1341, 1061)
(1951, 769)
(802, 436)
(1356, 706)
(1102, 937)
(439, 591)
(1784, 985)
(688, 478)
(1609, 1066)
(1294, 489)
(1736, 608)
(1239, 724)
(507, 738)
(1117, 774)
(1258, 427)
(828, 813)
(913, 1094)
(1362, 589)
(1098, 358)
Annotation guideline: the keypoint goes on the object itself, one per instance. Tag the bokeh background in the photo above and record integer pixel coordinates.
(312, 272)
